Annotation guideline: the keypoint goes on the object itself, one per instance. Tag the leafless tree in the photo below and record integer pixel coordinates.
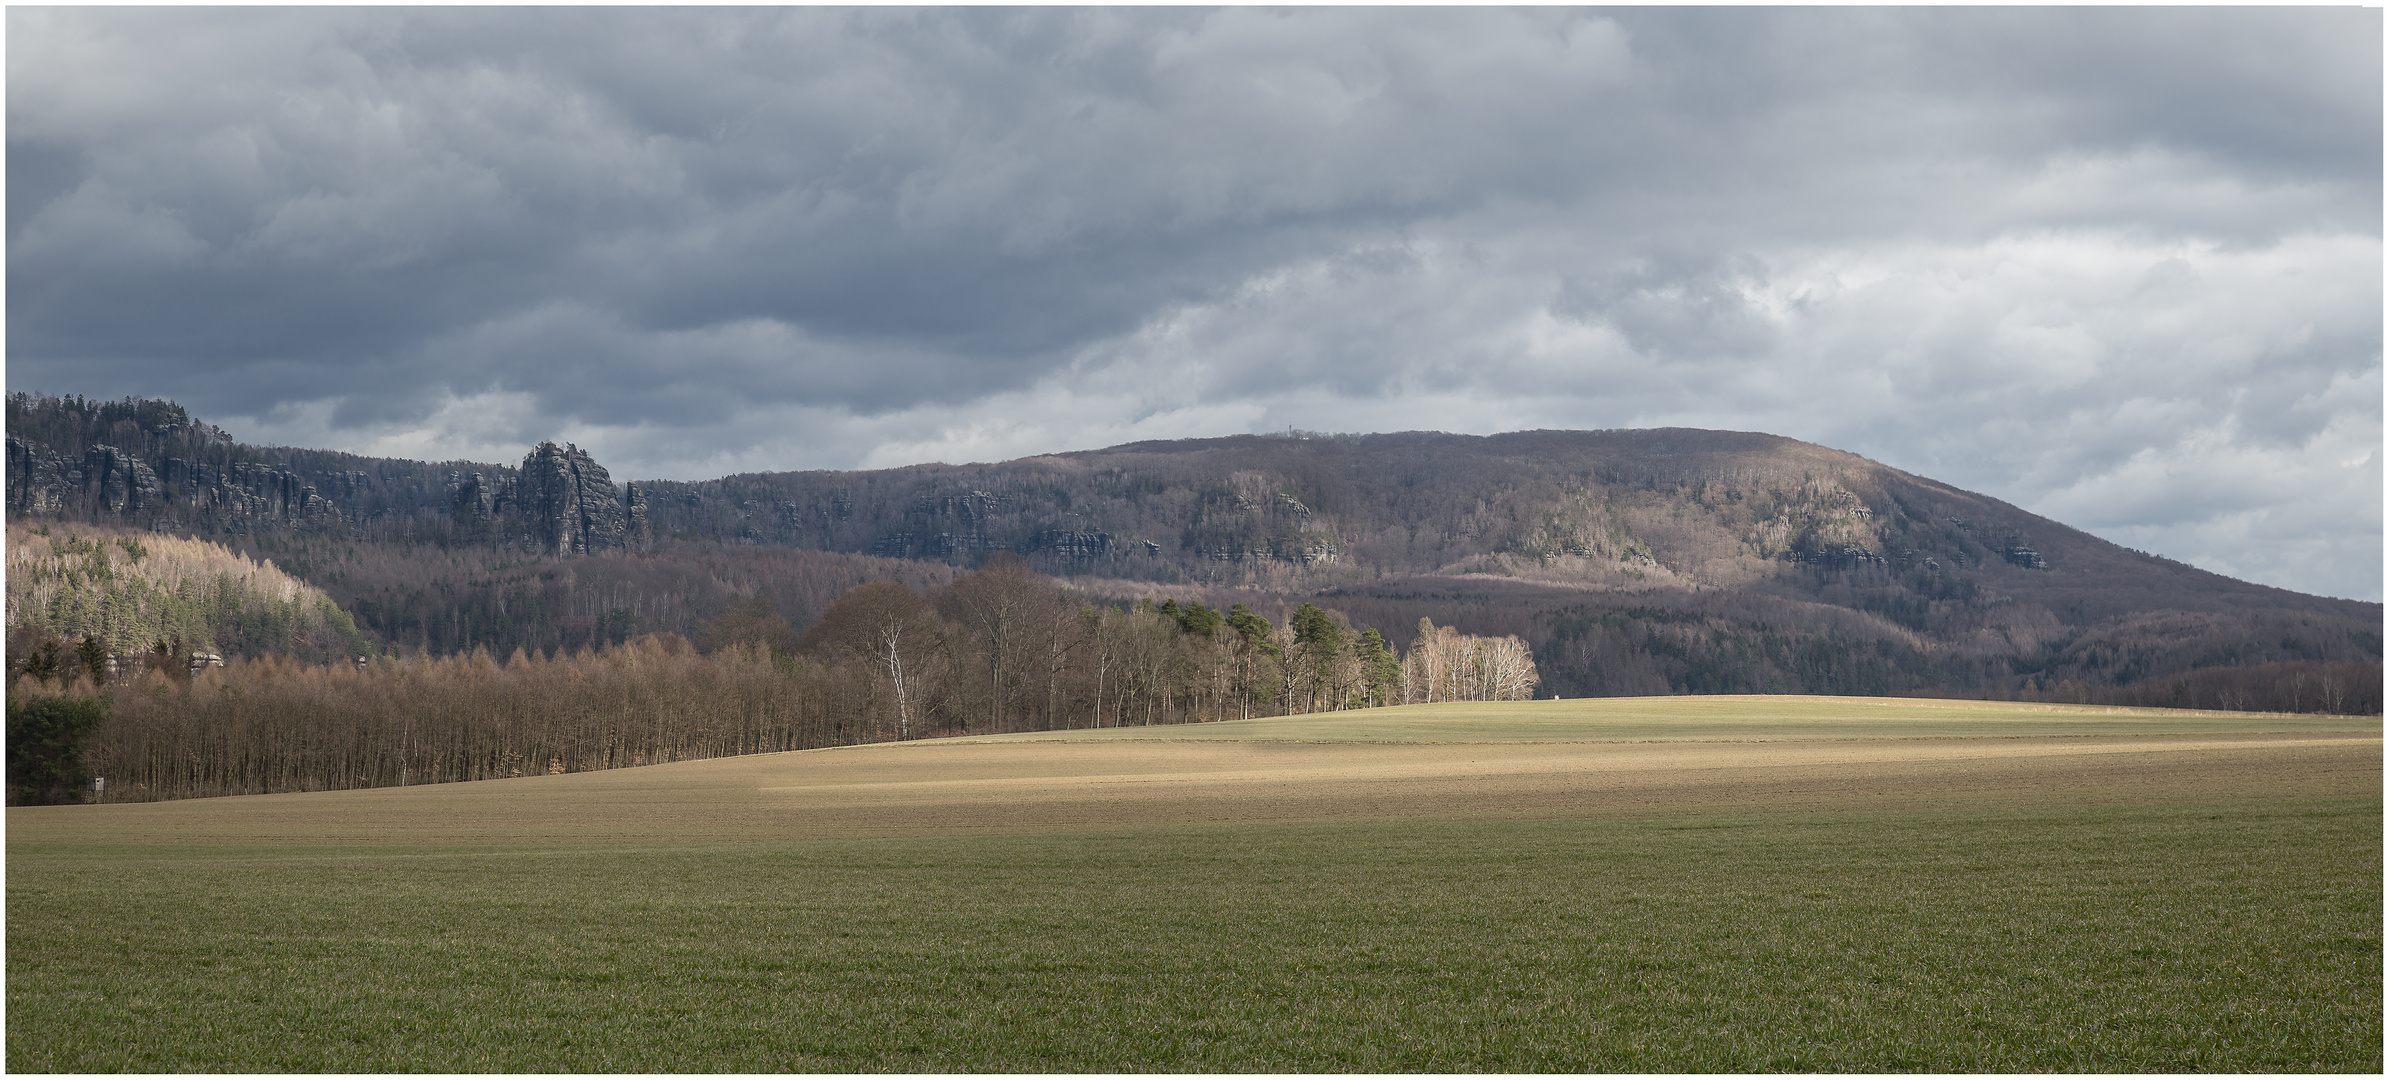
(996, 605)
(894, 629)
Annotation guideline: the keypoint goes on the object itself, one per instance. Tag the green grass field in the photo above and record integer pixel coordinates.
(2179, 900)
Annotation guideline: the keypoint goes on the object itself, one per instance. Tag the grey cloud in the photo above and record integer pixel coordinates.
(1666, 309)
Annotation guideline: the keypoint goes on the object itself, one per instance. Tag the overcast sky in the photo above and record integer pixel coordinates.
(2121, 267)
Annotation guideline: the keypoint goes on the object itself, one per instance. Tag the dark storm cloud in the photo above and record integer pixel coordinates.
(943, 181)
(2067, 256)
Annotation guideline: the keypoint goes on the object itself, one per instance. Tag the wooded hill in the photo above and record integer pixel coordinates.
(134, 593)
(1661, 561)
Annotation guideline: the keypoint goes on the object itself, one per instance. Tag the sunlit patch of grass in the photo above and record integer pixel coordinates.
(2224, 937)
(1735, 717)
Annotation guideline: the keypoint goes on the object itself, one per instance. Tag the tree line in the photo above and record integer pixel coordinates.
(999, 649)
(2339, 689)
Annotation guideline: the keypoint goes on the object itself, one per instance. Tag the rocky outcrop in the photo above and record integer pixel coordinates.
(473, 505)
(473, 499)
(1305, 549)
(1078, 544)
(38, 480)
(112, 482)
(247, 493)
(106, 481)
(120, 483)
(2020, 554)
(560, 502)
(638, 533)
(948, 546)
(1833, 556)
(565, 504)
(972, 507)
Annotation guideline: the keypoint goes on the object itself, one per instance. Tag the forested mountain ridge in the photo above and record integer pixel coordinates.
(1607, 509)
(1647, 561)
(1613, 509)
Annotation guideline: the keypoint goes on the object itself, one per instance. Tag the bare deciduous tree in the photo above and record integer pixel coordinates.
(894, 630)
(996, 604)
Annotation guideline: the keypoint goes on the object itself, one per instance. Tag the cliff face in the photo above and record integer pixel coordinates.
(566, 503)
(110, 482)
(248, 492)
(146, 464)
(559, 502)
(43, 481)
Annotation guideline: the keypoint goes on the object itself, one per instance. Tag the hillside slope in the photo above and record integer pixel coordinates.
(1608, 509)
(1655, 561)
(134, 592)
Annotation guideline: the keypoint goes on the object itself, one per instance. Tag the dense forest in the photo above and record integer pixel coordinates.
(999, 649)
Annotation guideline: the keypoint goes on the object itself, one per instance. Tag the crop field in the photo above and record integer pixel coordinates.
(1682, 884)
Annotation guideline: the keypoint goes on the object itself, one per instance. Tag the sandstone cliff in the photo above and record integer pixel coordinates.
(565, 503)
(559, 502)
(146, 464)
(107, 482)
